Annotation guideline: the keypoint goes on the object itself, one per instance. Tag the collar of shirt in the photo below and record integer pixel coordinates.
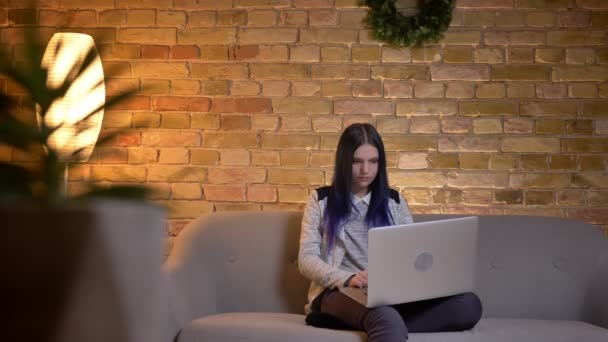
(365, 199)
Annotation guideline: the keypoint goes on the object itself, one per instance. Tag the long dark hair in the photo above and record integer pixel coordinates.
(339, 204)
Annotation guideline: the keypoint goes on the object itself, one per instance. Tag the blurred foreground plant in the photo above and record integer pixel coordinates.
(21, 129)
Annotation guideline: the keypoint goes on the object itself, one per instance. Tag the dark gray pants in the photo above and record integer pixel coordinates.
(392, 323)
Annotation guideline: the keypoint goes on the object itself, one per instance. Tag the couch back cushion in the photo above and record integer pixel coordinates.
(528, 267)
(536, 267)
(243, 261)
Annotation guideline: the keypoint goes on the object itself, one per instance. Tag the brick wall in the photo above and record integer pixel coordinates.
(242, 102)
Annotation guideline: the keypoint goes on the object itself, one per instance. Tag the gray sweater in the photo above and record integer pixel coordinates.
(325, 268)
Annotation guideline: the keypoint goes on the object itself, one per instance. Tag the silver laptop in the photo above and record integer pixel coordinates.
(418, 261)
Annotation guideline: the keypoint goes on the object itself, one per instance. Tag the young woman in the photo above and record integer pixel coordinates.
(333, 247)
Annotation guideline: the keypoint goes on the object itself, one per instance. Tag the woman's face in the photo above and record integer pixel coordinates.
(365, 168)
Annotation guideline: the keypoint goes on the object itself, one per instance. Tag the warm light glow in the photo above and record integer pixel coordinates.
(65, 53)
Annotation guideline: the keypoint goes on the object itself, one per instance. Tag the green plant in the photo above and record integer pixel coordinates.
(388, 25)
(42, 180)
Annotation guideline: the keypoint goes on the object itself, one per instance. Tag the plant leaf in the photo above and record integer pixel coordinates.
(14, 181)
(18, 134)
(126, 192)
(108, 136)
(109, 103)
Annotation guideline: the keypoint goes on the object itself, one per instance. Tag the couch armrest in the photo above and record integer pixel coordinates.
(190, 287)
(595, 309)
(172, 325)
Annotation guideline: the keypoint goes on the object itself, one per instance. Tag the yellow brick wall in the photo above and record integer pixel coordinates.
(242, 102)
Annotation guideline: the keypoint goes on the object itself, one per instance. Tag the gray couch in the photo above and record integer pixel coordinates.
(234, 277)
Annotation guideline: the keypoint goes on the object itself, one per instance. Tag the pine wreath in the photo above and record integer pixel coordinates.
(388, 25)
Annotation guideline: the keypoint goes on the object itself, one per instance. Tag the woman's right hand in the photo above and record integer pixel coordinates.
(359, 280)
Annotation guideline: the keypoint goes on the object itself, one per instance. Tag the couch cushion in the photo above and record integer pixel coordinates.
(269, 327)
(560, 257)
(508, 330)
(261, 327)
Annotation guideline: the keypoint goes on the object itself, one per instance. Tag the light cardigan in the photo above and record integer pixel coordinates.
(315, 261)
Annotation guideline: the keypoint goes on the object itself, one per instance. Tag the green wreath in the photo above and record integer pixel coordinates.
(396, 29)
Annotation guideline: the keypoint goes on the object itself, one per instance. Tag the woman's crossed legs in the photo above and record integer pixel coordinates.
(392, 323)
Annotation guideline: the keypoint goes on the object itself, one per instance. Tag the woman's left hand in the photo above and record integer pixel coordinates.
(359, 280)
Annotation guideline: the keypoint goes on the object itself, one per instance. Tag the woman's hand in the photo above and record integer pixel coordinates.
(359, 280)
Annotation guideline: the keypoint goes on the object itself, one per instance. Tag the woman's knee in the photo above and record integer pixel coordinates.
(469, 311)
(384, 315)
(387, 321)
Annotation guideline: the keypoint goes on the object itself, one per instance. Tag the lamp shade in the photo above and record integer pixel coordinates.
(64, 56)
